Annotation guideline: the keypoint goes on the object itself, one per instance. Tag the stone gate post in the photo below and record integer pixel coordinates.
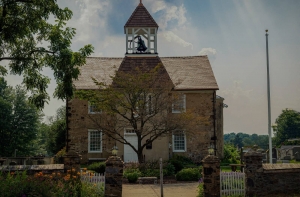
(71, 160)
(253, 169)
(113, 176)
(211, 176)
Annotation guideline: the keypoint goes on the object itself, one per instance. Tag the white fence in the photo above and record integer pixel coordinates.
(232, 183)
(96, 179)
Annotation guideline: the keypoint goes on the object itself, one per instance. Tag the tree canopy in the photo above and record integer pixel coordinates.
(244, 140)
(288, 127)
(140, 100)
(18, 121)
(30, 43)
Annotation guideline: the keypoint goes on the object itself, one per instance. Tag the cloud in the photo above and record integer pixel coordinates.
(158, 6)
(172, 37)
(207, 51)
(90, 14)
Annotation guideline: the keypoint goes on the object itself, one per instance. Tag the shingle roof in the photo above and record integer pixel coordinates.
(188, 73)
(141, 18)
(191, 72)
(99, 68)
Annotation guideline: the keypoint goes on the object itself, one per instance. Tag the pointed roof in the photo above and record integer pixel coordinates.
(141, 18)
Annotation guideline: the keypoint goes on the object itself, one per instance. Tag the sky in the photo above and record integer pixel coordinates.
(231, 33)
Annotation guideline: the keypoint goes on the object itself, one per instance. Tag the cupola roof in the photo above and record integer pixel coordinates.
(141, 18)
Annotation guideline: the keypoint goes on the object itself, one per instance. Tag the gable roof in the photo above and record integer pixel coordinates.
(188, 73)
(141, 18)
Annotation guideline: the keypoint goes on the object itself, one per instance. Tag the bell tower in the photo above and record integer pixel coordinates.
(141, 33)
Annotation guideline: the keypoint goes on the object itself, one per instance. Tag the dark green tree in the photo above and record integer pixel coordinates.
(19, 121)
(288, 126)
(25, 30)
(57, 132)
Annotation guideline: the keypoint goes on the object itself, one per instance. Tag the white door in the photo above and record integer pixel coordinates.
(129, 153)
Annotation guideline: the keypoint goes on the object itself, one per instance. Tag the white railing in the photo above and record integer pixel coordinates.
(232, 183)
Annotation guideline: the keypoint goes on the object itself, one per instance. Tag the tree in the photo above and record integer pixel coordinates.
(57, 131)
(18, 121)
(24, 31)
(140, 100)
(288, 126)
(231, 154)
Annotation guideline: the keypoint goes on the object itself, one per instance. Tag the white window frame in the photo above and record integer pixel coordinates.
(173, 142)
(89, 141)
(183, 104)
(90, 107)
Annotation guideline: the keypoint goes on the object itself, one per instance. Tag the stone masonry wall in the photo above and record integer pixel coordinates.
(266, 179)
(197, 145)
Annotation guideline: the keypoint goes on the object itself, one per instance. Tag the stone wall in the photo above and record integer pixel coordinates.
(32, 169)
(263, 179)
(79, 121)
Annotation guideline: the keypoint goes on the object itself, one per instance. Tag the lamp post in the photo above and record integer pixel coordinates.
(269, 100)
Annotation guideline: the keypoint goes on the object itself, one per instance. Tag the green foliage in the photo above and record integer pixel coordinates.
(288, 127)
(188, 174)
(20, 184)
(243, 140)
(24, 28)
(132, 177)
(56, 131)
(98, 167)
(19, 121)
(230, 154)
(179, 162)
(200, 190)
(92, 190)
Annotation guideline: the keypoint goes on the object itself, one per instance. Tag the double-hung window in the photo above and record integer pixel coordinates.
(178, 104)
(94, 141)
(92, 109)
(179, 141)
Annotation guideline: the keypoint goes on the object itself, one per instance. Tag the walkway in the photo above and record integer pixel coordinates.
(151, 190)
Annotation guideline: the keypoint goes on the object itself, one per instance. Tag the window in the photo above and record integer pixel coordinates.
(95, 141)
(178, 104)
(92, 109)
(179, 141)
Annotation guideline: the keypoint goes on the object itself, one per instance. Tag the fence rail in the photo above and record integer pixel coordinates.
(232, 183)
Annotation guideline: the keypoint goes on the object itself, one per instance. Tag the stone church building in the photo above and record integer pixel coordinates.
(197, 85)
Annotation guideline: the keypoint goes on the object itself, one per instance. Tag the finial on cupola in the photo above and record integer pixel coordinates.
(141, 3)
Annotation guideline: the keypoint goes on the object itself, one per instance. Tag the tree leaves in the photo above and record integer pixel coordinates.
(24, 30)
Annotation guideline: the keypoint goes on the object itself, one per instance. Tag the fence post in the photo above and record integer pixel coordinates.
(113, 176)
(211, 176)
(253, 161)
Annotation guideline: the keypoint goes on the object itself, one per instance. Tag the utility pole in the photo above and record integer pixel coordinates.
(269, 102)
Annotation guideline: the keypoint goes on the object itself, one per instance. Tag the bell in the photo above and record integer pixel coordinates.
(141, 45)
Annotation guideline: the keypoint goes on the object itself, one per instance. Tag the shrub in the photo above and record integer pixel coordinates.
(130, 171)
(98, 167)
(188, 174)
(180, 162)
(132, 177)
(178, 165)
(170, 169)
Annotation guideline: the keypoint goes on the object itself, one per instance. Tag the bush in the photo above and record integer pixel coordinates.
(132, 177)
(170, 169)
(180, 162)
(188, 174)
(98, 167)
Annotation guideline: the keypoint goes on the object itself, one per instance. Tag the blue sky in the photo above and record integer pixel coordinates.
(231, 33)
